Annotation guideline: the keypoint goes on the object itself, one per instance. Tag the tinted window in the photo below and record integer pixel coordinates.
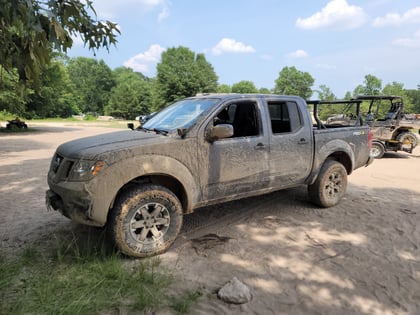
(243, 116)
(284, 117)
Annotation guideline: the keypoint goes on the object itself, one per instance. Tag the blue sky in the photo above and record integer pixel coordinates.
(337, 41)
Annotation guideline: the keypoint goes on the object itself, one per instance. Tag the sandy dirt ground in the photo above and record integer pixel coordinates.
(360, 257)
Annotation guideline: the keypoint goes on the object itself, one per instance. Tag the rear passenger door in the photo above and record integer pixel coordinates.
(291, 146)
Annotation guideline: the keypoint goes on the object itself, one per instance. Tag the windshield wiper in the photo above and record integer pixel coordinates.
(143, 129)
(156, 130)
(159, 131)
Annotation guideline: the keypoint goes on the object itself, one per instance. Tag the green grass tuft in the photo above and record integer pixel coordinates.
(88, 279)
(182, 304)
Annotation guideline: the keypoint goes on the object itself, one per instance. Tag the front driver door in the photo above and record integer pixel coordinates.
(238, 164)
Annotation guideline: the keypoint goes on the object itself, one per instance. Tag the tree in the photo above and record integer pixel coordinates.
(325, 93)
(244, 87)
(206, 75)
(415, 97)
(54, 97)
(371, 86)
(31, 29)
(264, 90)
(224, 88)
(347, 96)
(131, 96)
(181, 74)
(93, 81)
(396, 88)
(294, 82)
(12, 96)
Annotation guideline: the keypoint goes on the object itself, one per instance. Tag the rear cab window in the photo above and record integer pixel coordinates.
(285, 117)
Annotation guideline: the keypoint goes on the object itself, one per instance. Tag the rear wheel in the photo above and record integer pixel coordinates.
(408, 140)
(330, 185)
(377, 150)
(145, 220)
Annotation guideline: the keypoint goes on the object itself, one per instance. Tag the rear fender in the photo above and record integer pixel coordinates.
(338, 150)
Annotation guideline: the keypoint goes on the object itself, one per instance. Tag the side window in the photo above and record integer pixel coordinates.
(243, 116)
(284, 117)
(295, 116)
(226, 115)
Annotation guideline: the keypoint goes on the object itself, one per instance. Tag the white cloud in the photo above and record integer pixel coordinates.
(229, 45)
(338, 14)
(144, 61)
(411, 16)
(298, 54)
(110, 9)
(164, 14)
(408, 42)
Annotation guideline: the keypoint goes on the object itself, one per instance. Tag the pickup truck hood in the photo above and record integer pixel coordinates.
(100, 145)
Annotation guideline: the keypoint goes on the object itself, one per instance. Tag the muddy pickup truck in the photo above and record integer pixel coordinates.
(199, 151)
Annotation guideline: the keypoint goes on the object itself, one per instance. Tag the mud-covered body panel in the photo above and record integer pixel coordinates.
(348, 140)
(198, 169)
(131, 156)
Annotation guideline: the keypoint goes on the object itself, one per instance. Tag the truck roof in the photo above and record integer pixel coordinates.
(227, 96)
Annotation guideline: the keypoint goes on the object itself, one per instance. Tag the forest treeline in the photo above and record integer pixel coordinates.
(38, 80)
(73, 86)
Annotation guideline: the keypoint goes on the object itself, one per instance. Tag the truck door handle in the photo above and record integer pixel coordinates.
(260, 146)
(302, 141)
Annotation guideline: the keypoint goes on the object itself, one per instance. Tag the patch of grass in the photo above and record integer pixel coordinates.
(182, 304)
(55, 119)
(5, 115)
(78, 280)
(121, 124)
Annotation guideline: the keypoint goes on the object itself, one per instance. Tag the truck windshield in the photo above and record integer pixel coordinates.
(182, 114)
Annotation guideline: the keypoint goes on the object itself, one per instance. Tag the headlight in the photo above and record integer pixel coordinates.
(85, 169)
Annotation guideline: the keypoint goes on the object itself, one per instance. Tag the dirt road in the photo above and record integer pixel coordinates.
(360, 257)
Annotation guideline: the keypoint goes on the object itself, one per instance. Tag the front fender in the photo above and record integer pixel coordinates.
(104, 188)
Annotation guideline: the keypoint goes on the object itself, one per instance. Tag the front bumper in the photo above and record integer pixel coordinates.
(75, 209)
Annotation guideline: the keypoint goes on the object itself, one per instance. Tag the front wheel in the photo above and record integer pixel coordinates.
(330, 185)
(145, 220)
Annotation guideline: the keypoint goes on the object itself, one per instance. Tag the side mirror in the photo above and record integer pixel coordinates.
(130, 125)
(219, 132)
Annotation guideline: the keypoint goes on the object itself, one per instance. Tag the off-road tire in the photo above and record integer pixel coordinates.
(330, 185)
(377, 150)
(408, 136)
(145, 220)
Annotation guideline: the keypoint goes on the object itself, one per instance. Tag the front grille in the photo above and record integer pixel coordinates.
(61, 167)
(56, 162)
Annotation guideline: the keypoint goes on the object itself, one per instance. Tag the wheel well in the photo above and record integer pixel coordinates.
(166, 181)
(344, 159)
(401, 130)
(378, 141)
